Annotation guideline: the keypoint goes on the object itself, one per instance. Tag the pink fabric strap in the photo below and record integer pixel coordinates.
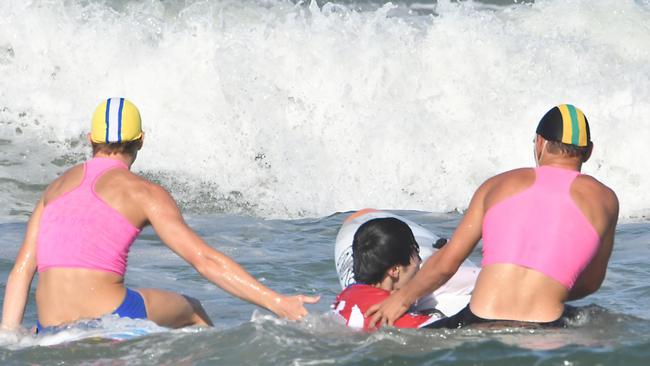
(79, 229)
(541, 228)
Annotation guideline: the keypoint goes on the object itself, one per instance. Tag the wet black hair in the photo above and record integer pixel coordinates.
(380, 244)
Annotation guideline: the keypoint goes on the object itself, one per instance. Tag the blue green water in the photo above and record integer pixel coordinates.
(266, 119)
(297, 256)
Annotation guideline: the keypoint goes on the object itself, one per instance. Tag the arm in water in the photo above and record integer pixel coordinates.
(165, 217)
(438, 269)
(593, 275)
(21, 275)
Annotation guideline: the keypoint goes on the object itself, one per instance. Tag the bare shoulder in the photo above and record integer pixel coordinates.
(501, 186)
(510, 181)
(591, 186)
(156, 203)
(141, 189)
(515, 174)
(148, 198)
(65, 182)
(76, 171)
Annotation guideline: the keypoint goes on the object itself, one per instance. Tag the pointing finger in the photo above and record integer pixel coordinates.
(309, 299)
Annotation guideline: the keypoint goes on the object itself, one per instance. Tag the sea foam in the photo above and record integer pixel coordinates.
(282, 110)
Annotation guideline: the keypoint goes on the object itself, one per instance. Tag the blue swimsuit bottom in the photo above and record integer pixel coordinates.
(132, 307)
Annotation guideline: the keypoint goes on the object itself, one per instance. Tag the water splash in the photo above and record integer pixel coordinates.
(281, 110)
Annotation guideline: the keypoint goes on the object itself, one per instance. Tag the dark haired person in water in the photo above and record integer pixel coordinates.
(385, 256)
(80, 232)
(547, 233)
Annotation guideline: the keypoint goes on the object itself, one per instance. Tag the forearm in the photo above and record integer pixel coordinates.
(234, 279)
(21, 275)
(15, 299)
(582, 288)
(431, 276)
(444, 263)
(162, 212)
(576, 294)
(592, 277)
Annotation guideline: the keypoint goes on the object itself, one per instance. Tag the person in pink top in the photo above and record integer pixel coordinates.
(547, 236)
(79, 234)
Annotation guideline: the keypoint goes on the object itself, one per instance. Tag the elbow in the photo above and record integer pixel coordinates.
(448, 266)
(581, 290)
(448, 271)
(21, 273)
(201, 264)
(590, 288)
(208, 266)
(441, 267)
(444, 270)
(201, 268)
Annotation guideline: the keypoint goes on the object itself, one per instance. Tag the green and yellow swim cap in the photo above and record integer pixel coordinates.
(116, 120)
(566, 124)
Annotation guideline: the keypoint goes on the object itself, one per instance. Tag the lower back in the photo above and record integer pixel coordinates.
(65, 295)
(512, 292)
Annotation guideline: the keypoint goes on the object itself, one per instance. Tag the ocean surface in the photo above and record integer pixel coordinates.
(270, 120)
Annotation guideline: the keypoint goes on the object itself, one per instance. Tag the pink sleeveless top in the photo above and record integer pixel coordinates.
(79, 230)
(541, 228)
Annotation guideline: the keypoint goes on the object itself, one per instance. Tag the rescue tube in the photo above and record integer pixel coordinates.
(449, 299)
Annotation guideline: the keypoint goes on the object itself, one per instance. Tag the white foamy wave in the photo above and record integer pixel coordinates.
(108, 327)
(282, 110)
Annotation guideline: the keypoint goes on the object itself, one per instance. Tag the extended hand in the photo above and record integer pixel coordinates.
(387, 311)
(292, 307)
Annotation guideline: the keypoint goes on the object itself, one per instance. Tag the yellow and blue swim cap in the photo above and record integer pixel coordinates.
(566, 124)
(116, 120)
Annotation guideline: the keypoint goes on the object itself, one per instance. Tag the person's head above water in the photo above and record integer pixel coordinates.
(566, 131)
(384, 250)
(116, 127)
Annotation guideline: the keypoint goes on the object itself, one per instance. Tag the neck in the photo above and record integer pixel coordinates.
(386, 284)
(564, 165)
(559, 161)
(125, 158)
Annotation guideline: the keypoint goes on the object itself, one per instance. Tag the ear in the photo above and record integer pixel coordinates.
(89, 138)
(587, 155)
(141, 141)
(393, 273)
(539, 144)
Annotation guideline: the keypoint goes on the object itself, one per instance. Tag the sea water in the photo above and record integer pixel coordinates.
(269, 120)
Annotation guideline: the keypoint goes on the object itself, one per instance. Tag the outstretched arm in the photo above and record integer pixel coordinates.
(437, 270)
(593, 275)
(165, 217)
(21, 275)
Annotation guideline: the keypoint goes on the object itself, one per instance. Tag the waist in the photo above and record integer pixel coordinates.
(113, 270)
(512, 292)
(65, 295)
(562, 266)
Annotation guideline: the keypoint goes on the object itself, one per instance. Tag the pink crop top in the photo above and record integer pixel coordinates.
(78, 229)
(541, 228)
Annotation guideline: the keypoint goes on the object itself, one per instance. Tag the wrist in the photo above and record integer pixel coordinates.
(407, 296)
(271, 301)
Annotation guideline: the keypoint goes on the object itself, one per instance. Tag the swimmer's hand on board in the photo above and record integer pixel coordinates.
(388, 311)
